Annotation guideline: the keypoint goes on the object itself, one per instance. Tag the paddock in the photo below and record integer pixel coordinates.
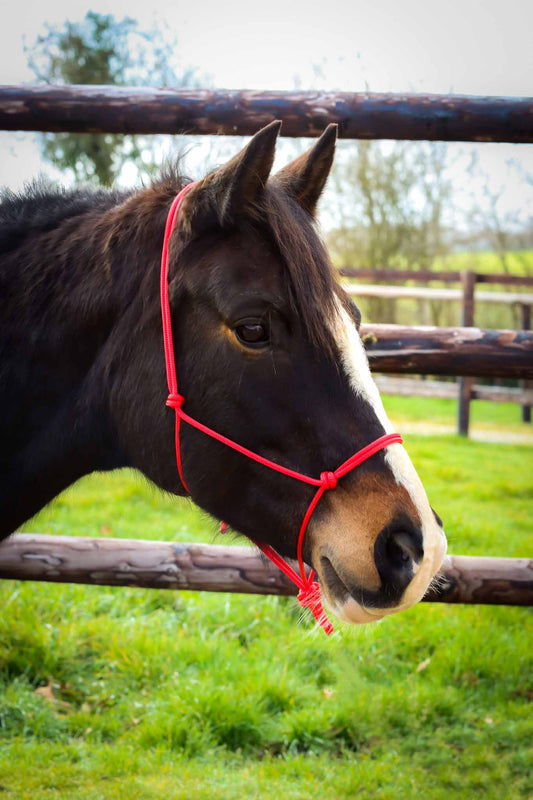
(466, 351)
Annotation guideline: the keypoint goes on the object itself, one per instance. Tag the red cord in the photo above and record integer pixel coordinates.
(309, 594)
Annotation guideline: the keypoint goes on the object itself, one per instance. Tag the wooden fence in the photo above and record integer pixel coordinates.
(359, 115)
(217, 568)
(466, 390)
(463, 351)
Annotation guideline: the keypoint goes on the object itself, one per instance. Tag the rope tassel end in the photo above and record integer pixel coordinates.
(309, 597)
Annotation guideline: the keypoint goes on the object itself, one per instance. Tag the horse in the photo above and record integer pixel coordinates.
(268, 354)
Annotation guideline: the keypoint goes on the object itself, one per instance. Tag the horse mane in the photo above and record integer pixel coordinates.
(312, 284)
(43, 206)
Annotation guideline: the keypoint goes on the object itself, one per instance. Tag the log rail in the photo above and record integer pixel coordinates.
(359, 115)
(219, 568)
(449, 351)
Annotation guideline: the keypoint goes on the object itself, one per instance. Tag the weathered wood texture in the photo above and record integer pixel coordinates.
(218, 568)
(132, 562)
(449, 351)
(465, 384)
(525, 313)
(483, 580)
(120, 109)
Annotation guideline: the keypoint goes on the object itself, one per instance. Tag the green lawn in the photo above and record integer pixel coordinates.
(127, 693)
(499, 421)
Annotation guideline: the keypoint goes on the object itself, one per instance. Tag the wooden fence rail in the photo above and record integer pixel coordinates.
(449, 351)
(120, 109)
(412, 387)
(426, 293)
(429, 276)
(218, 568)
(468, 297)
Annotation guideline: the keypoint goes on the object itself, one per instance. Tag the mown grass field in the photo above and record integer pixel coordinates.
(124, 693)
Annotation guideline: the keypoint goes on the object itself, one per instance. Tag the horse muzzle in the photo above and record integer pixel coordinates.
(368, 566)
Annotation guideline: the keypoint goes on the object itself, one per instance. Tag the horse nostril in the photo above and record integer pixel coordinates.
(402, 549)
(397, 552)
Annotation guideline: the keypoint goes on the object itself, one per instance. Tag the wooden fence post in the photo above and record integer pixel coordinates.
(468, 281)
(525, 312)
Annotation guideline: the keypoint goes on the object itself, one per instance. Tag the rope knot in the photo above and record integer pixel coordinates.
(309, 597)
(175, 400)
(328, 479)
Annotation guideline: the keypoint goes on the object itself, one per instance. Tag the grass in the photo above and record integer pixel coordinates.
(125, 693)
(500, 421)
(519, 262)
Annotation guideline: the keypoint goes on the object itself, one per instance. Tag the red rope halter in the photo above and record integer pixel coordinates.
(309, 594)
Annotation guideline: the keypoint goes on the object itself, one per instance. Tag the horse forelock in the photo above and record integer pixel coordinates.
(311, 282)
(312, 288)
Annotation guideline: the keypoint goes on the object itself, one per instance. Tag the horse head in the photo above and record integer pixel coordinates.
(268, 354)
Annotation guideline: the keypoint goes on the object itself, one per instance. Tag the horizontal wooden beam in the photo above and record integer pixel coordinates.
(449, 351)
(427, 276)
(427, 293)
(219, 568)
(412, 387)
(360, 115)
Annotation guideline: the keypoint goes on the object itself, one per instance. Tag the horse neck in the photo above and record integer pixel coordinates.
(66, 304)
(132, 234)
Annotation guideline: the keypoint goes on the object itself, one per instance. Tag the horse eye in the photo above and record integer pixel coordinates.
(252, 334)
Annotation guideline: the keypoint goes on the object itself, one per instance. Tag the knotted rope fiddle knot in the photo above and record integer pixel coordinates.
(309, 597)
(328, 480)
(175, 400)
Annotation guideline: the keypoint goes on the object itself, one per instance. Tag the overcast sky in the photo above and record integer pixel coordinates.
(461, 46)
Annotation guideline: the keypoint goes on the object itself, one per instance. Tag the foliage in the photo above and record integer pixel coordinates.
(112, 693)
(503, 230)
(106, 51)
(400, 205)
(391, 202)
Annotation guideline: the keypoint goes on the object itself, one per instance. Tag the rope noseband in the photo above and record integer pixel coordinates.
(309, 589)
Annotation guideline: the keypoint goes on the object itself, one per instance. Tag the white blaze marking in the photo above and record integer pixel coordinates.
(355, 364)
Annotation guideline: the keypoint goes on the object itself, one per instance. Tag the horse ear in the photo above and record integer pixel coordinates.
(305, 177)
(234, 187)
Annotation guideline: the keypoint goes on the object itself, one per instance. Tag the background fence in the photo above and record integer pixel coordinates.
(466, 390)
